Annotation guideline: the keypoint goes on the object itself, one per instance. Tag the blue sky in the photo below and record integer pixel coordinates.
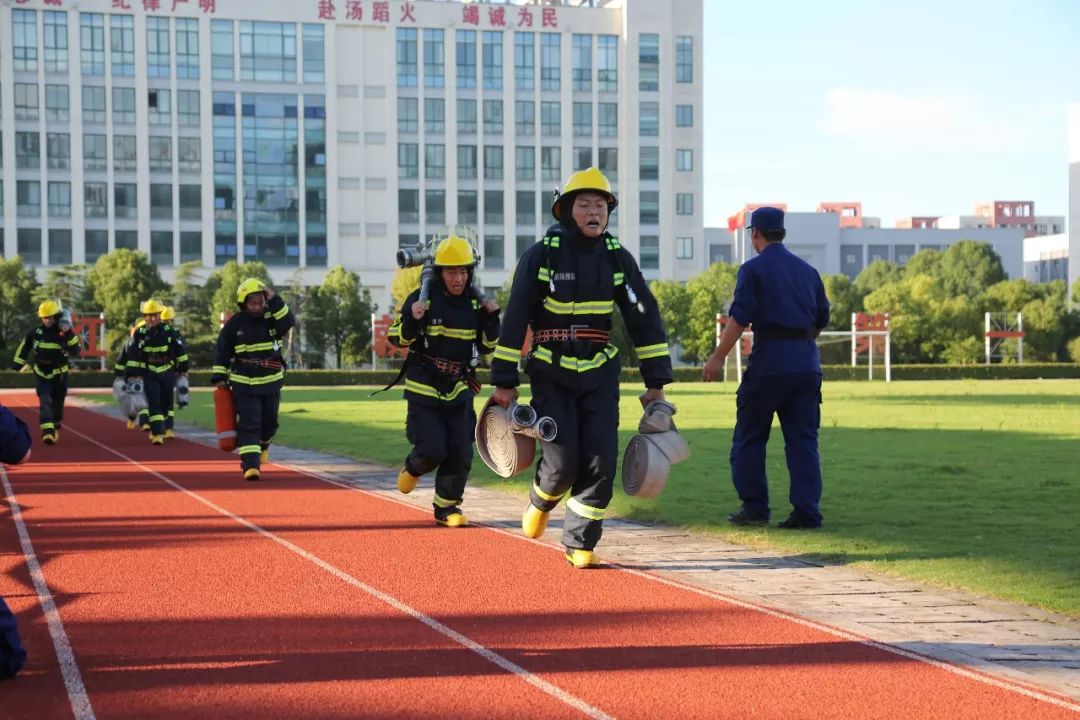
(912, 107)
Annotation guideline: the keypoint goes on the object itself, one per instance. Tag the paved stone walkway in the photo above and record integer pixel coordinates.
(1006, 640)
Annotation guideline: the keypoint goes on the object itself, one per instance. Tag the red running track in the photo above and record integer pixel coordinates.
(186, 592)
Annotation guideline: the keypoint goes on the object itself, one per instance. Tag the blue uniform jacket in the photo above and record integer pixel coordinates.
(779, 295)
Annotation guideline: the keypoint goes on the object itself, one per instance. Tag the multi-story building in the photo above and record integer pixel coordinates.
(1074, 196)
(917, 221)
(308, 133)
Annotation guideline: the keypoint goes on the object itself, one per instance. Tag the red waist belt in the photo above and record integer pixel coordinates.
(570, 334)
(269, 363)
(448, 367)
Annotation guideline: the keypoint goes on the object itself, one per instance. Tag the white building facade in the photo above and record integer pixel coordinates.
(1073, 223)
(311, 133)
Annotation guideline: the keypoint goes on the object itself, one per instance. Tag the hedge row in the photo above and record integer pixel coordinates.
(95, 378)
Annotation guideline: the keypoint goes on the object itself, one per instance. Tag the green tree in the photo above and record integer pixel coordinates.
(876, 275)
(225, 280)
(1076, 292)
(844, 300)
(296, 295)
(924, 262)
(18, 311)
(69, 285)
(191, 300)
(674, 301)
(710, 293)
(969, 268)
(338, 317)
(119, 282)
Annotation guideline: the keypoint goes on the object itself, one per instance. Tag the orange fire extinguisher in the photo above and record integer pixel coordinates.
(225, 419)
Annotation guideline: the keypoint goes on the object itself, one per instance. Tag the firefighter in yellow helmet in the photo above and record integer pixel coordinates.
(50, 344)
(248, 359)
(167, 317)
(445, 337)
(126, 350)
(159, 354)
(565, 288)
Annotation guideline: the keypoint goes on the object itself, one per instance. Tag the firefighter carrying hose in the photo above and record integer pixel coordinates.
(565, 287)
(158, 356)
(249, 359)
(141, 420)
(444, 337)
(51, 344)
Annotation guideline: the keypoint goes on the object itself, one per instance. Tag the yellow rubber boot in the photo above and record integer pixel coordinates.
(406, 481)
(130, 424)
(534, 521)
(48, 437)
(264, 456)
(169, 434)
(252, 474)
(454, 520)
(581, 559)
(157, 439)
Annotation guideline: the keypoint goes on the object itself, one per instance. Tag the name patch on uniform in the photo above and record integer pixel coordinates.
(566, 276)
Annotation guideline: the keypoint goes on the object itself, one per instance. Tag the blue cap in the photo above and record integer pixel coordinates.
(767, 219)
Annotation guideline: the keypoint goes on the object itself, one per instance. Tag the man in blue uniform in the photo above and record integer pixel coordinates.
(783, 298)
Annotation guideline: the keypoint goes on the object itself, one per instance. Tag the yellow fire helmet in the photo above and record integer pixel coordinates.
(590, 180)
(168, 313)
(151, 307)
(249, 286)
(454, 252)
(49, 308)
(138, 324)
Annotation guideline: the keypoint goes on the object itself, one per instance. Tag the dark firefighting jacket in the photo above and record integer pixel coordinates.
(50, 348)
(443, 344)
(156, 350)
(569, 283)
(249, 348)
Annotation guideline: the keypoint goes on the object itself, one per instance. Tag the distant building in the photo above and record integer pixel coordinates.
(1046, 258)
(917, 222)
(1074, 193)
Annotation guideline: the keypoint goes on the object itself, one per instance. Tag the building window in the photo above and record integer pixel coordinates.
(161, 201)
(408, 160)
(96, 199)
(608, 161)
(550, 67)
(26, 101)
(97, 244)
(406, 57)
(434, 115)
(60, 246)
(649, 119)
(27, 150)
(190, 246)
(157, 47)
(189, 154)
(649, 168)
(268, 51)
(128, 239)
(466, 58)
(92, 34)
(95, 153)
(607, 116)
(525, 118)
(684, 160)
(684, 248)
(650, 207)
(466, 158)
(525, 161)
(581, 55)
(161, 247)
(684, 203)
(28, 246)
(550, 118)
(434, 52)
(160, 154)
(467, 203)
(607, 63)
(125, 201)
(123, 106)
(650, 252)
(408, 115)
(159, 103)
(27, 199)
(551, 163)
(435, 207)
(649, 62)
(58, 151)
(124, 153)
(684, 116)
(57, 103)
(93, 98)
(582, 158)
(314, 53)
(434, 161)
(24, 39)
(493, 207)
(493, 162)
(494, 250)
(684, 59)
(525, 207)
(222, 60)
(408, 207)
(492, 60)
(187, 108)
(56, 42)
(524, 60)
(187, 48)
(59, 199)
(582, 119)
(493, 117)
(466, 121)
(191, 202)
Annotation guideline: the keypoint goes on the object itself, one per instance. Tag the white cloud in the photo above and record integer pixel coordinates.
(934, 123)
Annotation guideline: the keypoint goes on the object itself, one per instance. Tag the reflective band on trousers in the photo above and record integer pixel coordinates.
(544, 496)
(586, 511)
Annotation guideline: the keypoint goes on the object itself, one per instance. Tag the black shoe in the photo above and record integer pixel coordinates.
(796, 521)
(743, 518)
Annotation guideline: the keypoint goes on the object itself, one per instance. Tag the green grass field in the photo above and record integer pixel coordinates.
(968, 484)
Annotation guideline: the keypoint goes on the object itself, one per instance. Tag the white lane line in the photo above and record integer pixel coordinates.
(489, 655)
(69, 668)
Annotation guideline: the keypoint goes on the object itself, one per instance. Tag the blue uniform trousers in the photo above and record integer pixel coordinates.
(796, 399)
